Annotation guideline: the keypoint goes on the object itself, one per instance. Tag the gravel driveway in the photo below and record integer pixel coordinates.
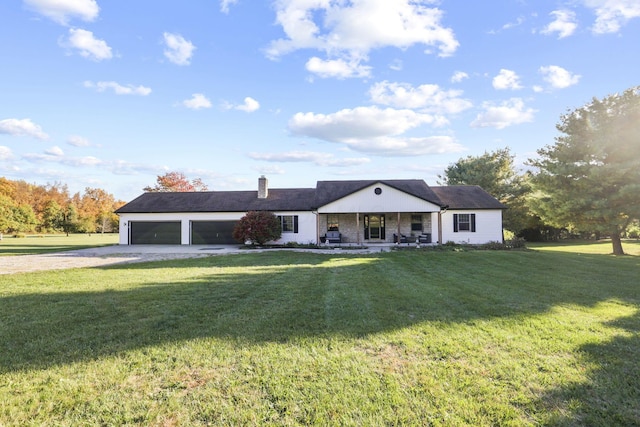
(122, 254)
(107, 255)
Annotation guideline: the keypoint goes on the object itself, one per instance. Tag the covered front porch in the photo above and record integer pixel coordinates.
(377, 212)
(379, 228)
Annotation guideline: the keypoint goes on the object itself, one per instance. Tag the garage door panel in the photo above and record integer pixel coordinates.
(213, 232)
(155, 233)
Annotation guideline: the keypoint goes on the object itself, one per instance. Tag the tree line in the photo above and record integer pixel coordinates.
(50, 208)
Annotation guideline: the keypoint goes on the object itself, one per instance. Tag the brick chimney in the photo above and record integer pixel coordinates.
(263, 187)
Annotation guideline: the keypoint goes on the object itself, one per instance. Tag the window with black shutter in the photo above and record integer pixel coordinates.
(464, 222)
(289, 223)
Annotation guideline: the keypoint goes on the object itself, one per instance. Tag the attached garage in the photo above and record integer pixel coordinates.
(213, 233)
(154, 232)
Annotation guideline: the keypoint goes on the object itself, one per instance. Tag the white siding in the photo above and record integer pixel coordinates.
(488, 227)
(390, 200)
(306, 228)
(306, 223)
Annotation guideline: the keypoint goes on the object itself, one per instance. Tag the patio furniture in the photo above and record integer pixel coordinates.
(403, 238)
(333, 237)
(424, 238)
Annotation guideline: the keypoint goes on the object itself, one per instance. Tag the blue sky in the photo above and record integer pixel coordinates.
(110, 94)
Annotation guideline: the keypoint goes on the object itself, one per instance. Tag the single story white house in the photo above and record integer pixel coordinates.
(349, 212)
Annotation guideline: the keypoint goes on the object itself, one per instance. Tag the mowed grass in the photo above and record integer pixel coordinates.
(286, 338)
(47, 243)
(603, 247)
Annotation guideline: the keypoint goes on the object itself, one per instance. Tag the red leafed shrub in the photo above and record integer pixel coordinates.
(257, 227)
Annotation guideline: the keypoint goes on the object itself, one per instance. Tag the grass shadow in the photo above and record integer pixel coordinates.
(611, 396)
(69, 316)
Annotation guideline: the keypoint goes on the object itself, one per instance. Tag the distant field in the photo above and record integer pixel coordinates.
(47, 243)
(603, 247)
(440, 338)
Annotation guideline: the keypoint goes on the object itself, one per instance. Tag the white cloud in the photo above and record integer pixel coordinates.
(428, 97)
(558, 77)
(459, 76)
(179, 50)
(250, 105)
(224, 5)
(349, 30)
(564, 23)
(357, 123)
(56, 155)
(5, 153)
(117, 88)
(320, 159)
(509, 25)
(373, 130)
(612, 14)
(83, 161)
(61, 11)
(407, 147)
(515, 24)
(22, 127)
(37, 158)
(269, 170)
(55, 151)
(507, 113)
(507, 79)
(87, 45)
(396, 65)
(78, 141)
(337, 68)
(197, 102)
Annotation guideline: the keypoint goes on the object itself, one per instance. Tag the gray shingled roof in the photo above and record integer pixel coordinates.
(466, 197)
(305, 199)
(293, 199)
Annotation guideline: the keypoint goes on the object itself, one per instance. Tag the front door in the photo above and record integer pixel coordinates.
(374, 227)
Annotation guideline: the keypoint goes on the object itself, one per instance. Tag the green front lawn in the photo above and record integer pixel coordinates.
(47, 243)
(631, 246)
(286, 338)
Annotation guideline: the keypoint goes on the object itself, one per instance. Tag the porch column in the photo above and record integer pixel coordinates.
(358, 228)
(398, 228)
(440, 227)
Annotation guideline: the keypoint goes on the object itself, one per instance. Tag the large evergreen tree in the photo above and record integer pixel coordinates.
(590, 178)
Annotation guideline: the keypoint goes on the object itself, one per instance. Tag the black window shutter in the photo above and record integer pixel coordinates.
(366, 227)
(455, 223)
(473, 223)
(295, 223)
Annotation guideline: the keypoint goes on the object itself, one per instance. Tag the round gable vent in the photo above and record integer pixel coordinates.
(378, 190)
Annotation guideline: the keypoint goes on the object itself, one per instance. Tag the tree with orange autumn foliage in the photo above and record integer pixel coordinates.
(176, 182)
